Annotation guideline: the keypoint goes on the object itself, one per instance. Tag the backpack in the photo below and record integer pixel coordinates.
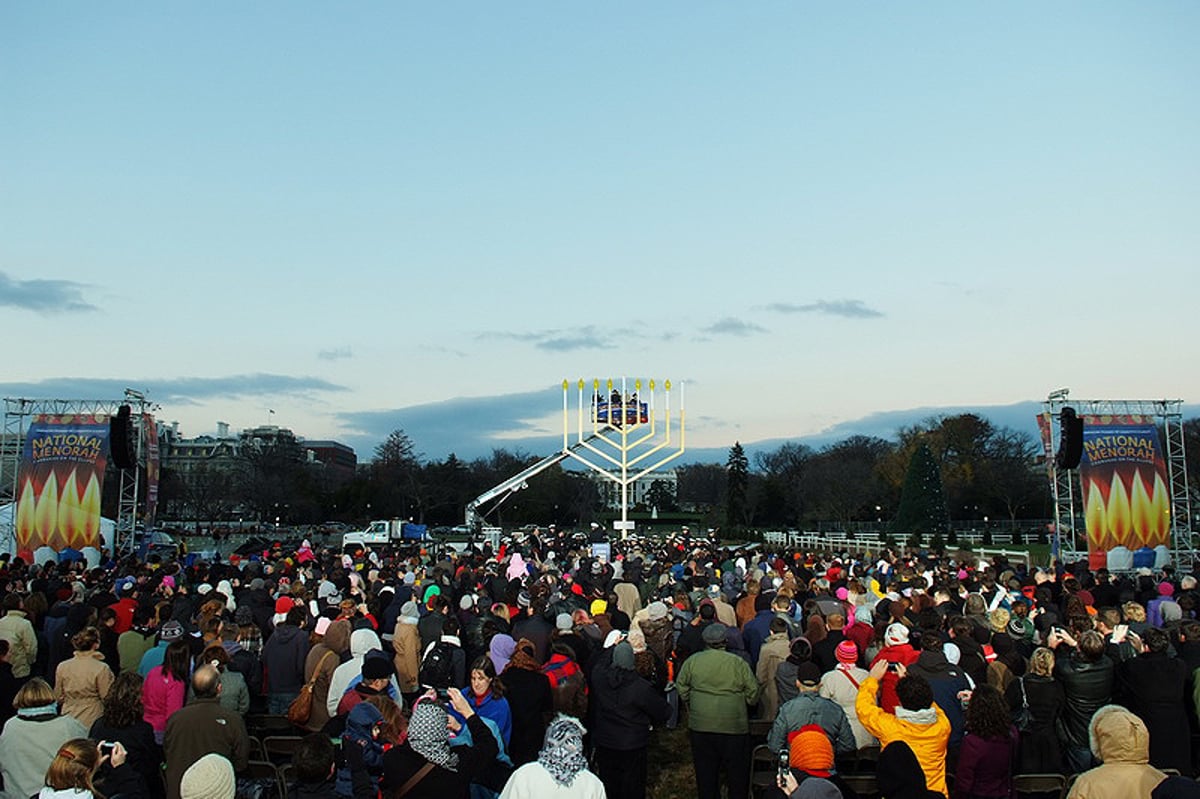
(437, 667)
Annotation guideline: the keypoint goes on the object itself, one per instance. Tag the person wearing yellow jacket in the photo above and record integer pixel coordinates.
(918, 721)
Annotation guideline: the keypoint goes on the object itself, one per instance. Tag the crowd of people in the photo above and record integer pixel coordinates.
(543, 670)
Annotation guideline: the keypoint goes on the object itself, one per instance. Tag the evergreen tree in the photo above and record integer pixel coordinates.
(922, 501)
(737, 468)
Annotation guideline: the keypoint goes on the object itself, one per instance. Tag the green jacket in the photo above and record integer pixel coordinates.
(131, 645)
(719, 688)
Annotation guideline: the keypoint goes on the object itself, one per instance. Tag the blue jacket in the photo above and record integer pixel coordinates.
(755, 633)
(359, 727)
(490, 708)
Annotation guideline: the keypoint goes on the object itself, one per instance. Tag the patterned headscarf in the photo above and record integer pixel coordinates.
(427, 735)
(562, 753)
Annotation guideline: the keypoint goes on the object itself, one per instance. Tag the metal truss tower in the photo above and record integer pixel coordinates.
(19, 413)
(1168, 415)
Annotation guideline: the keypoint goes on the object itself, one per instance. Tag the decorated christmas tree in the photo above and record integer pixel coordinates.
(922, 501)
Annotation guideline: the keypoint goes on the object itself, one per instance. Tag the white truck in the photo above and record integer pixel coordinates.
(386, 531)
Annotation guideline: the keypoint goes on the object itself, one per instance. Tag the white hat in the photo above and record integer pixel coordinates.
(896, 634)
(210, 777)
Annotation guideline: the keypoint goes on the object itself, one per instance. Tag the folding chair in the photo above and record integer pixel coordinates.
(256, 750)
(1049, 786)
(764, 765)
(867, 760)
(287, 775)
(262, 724)
(865, 785)
(280, 748)
(262, 771)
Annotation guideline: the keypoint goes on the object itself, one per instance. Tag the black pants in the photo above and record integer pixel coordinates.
(623, 772)
(712, 751)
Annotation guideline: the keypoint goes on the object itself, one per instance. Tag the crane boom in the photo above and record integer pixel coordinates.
(517, 482)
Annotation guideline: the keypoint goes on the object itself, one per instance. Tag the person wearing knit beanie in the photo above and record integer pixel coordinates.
(896, 634)
(810, 751)
(846, 652)
(210, 777)
(622, 657)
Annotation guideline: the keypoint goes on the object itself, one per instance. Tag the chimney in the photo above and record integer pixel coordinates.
(222, 429)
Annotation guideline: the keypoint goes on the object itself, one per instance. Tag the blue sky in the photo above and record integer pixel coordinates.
(373, 215)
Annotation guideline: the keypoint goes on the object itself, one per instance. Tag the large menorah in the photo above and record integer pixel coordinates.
(624, 433)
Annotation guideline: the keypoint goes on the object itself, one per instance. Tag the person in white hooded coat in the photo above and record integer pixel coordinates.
(361, 642)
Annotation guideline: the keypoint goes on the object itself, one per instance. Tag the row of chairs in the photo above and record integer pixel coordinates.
(1027, 786)
(272, 779)
(274, 748)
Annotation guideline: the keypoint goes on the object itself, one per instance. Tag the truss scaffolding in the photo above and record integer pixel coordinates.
(19, 414)
(1168, 416)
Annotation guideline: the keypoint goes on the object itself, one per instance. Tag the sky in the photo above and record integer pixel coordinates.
(378, 215)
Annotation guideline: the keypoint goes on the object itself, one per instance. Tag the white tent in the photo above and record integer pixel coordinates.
(8, 537)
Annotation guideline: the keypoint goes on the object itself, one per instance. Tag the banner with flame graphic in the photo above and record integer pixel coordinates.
(59, 480)
(1126, 502)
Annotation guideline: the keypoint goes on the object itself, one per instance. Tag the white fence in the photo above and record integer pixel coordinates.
(872, 541)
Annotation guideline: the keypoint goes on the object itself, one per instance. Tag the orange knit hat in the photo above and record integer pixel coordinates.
(810, 751)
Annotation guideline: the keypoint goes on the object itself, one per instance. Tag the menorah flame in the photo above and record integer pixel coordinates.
(1132, 516)
(59, 517)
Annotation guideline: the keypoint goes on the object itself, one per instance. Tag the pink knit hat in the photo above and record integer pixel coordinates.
(847, 652)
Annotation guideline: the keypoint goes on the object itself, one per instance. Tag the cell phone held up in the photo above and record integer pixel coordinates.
(785, 765)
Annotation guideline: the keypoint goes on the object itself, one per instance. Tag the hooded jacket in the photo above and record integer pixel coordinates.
(359, 726)
(946, 680)
(16, 628)
(927, 732)
(322, 661)
(361, 642)
(406, 643)
(1122, 742)
(900, 772)
(624, 706)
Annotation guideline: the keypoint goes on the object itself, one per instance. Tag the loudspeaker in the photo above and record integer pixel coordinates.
(1070, 443)
(120, 439)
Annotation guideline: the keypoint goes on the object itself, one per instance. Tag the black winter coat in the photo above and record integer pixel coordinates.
(1039, 751)
(530, 702)
(623, 706)
(1152, 686)
(946, 680)
(140, 775)
(283, 656)
(1088, 687)
(401, 762)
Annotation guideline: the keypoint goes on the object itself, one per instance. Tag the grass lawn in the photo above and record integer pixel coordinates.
(669, 773)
